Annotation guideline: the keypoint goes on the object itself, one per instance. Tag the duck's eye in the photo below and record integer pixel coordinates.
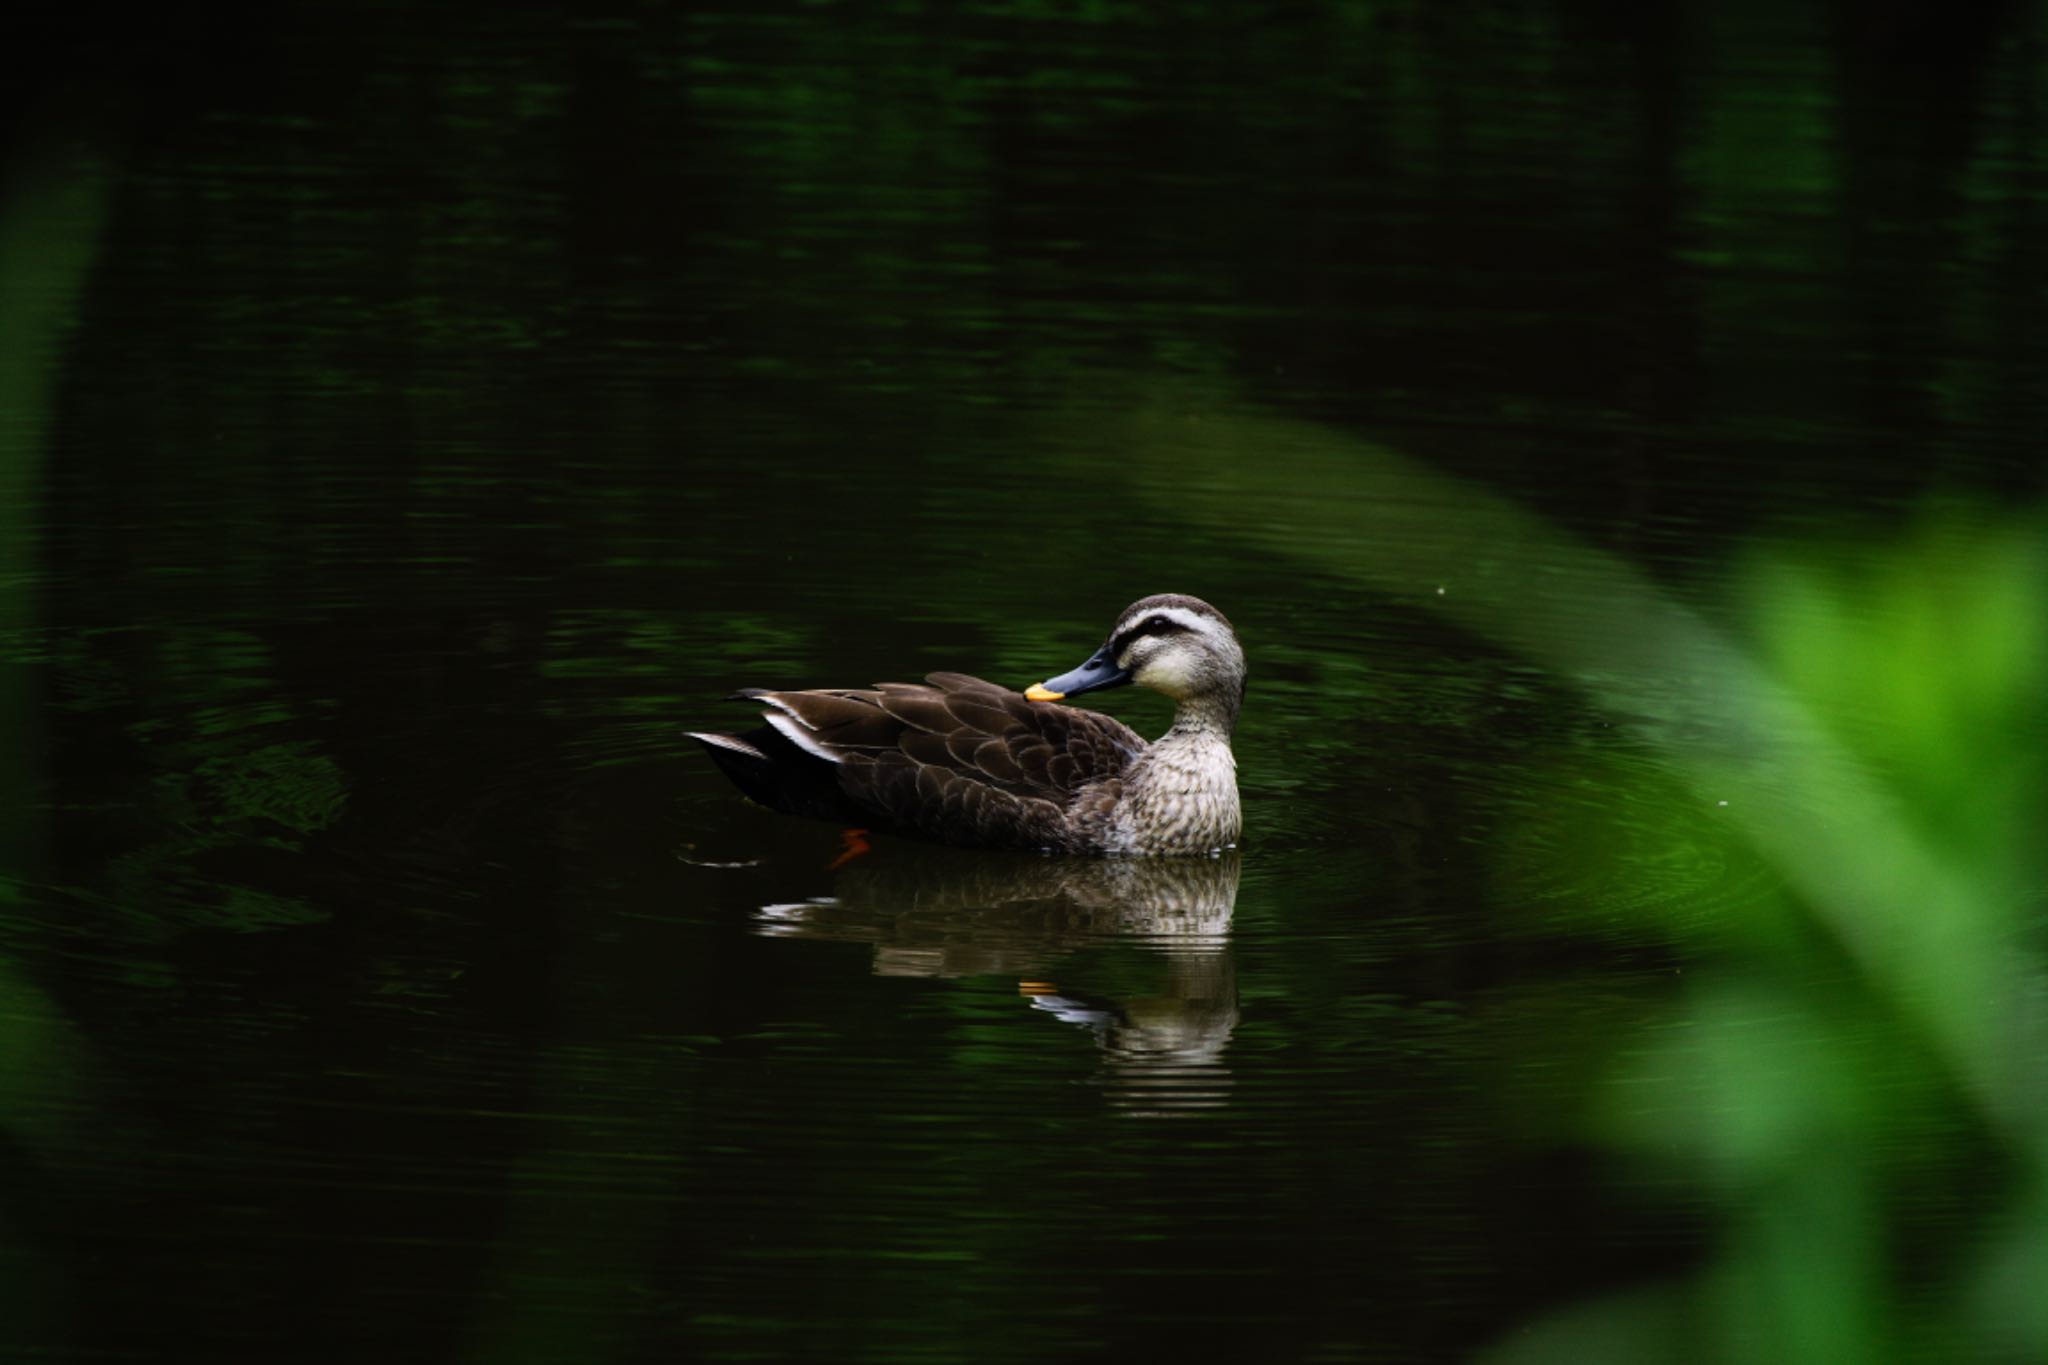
(1151, 625)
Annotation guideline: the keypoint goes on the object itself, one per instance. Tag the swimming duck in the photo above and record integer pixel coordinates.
(970, 762)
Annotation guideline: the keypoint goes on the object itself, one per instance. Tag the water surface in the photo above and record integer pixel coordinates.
(437, 418)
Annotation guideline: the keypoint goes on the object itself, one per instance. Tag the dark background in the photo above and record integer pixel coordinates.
(423, 414)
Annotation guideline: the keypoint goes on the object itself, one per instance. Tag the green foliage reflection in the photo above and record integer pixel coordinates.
(1828, 1086)
(1850, 1074)
(49, 232)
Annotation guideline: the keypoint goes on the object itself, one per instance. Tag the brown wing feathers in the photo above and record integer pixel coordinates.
(955, 758)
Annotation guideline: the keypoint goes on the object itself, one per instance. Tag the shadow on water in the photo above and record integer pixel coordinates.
(944, 913)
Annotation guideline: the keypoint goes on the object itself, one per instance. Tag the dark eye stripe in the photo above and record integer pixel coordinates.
(1151, 625)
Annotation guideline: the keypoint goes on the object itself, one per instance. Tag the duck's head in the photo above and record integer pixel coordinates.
(1171, 643)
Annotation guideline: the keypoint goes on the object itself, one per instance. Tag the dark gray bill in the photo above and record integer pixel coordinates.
(1099, 672)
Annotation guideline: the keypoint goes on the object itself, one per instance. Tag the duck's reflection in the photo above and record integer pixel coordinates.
(938, 913)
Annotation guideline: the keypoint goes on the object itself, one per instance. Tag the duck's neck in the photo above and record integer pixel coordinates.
(1180, 796)
(1206, 716)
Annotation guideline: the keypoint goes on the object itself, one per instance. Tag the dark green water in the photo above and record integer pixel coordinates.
(422, 419)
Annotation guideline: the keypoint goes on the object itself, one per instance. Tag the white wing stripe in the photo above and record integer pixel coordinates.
(796, 734)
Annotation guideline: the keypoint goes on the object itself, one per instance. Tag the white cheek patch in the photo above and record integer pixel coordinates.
(1180, 662)
(1168, 670)
(796, 734)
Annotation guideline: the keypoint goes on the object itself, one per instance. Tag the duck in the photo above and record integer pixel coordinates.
(963, 761)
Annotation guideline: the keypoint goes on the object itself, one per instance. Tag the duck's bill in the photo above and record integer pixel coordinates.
(1098, 673)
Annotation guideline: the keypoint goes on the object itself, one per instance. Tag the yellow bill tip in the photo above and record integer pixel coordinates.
(1040, 692)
